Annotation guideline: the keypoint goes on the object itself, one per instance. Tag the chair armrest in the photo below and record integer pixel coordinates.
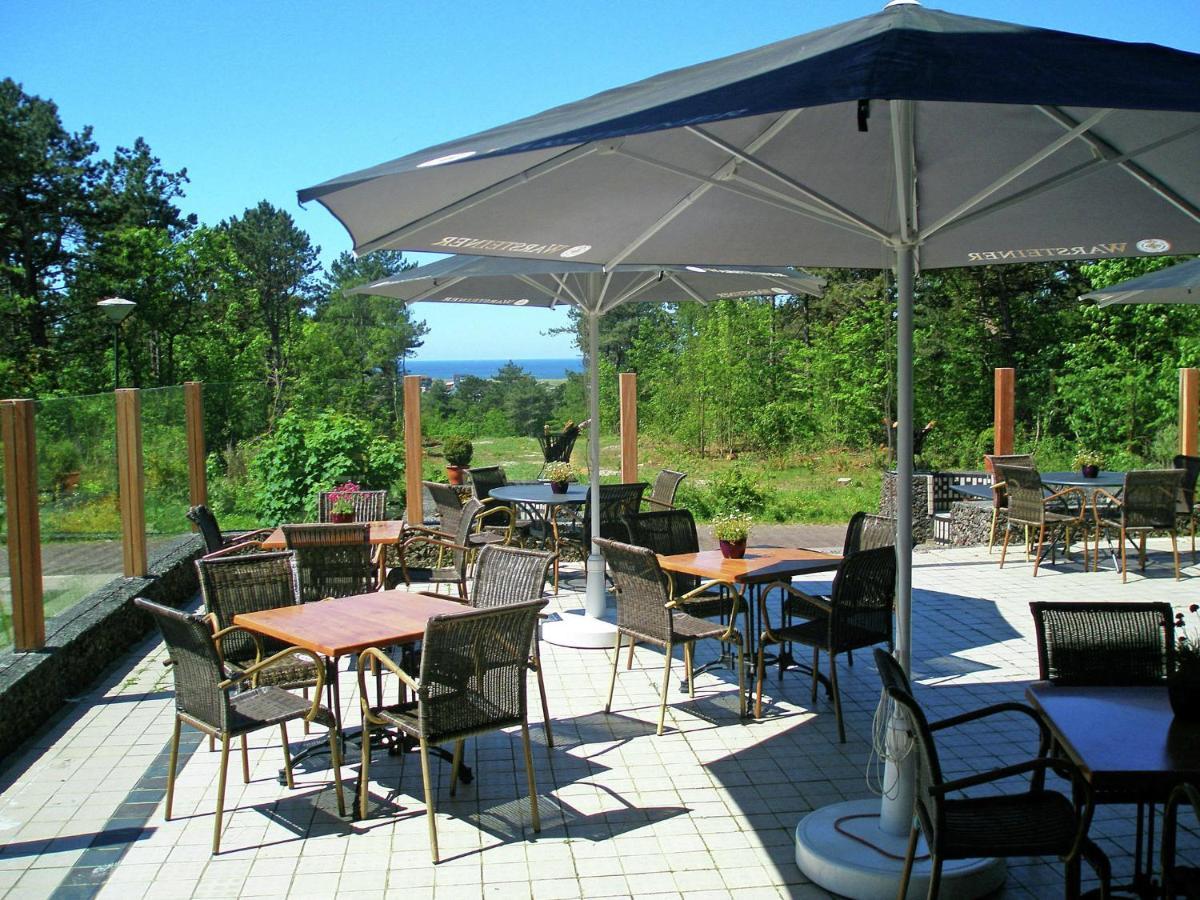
(1058, 495)
(822, 606)
(494, 511)
(996, 709)
(235, 549)
(1063, 767)
(218, 634)
(251, 674)
(258, 534)
(381, 658)
(1114, 500)
(657, 504)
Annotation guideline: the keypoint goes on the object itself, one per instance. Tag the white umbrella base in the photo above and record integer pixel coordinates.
(576, 629)
(849, 868)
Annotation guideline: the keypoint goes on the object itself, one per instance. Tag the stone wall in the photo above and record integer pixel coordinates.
(971, 521)
(922, 518)
(86, 640)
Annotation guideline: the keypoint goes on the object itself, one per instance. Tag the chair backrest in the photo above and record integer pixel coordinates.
(369, 506)
(484, 478)
(867, 531)
(1106, 643)
(249, 583)
(667, 532)
(1191, 471)
(890, 672)
(1023, 487)
(1151, 498)
(1025, 460)
(449, 505)
(333, 560)
(619, 503)
(196, 664)
(863, 599)
(202, 517)
(666, 483)
(473, 670)
(558, 447)
(642, 589)
(505, 575)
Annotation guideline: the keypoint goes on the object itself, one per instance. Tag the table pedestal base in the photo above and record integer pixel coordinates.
(576, 629)
(849, 868)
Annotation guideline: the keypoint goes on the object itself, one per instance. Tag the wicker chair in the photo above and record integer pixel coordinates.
(483, 480)
(1029, 506)
(1035, 822)
(857, 613)
(1187, 489)
(557, 447)
(662, 494)
(999, 494)
(369, 506)
(202, 517)
(1149, 502)
(333, 560)
(450, 511)
(205, 698)
(647, 612)
(1107, 643)
(619, 503)
(507, 575)
(867, 532)
(472, 681)
(1178, 880)
(456, 545)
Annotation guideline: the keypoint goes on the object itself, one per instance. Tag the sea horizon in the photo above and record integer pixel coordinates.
(545, 368)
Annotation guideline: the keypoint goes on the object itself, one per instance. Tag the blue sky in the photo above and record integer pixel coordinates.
(259, 99)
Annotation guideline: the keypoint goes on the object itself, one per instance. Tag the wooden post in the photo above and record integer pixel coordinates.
(1189, 411)
(24, 530)
(413, 506)
(193, 406)
(629, 427)
(1003, 415)
(131, 476)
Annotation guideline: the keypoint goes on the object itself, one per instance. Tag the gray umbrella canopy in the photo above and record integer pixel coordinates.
(1175, 284)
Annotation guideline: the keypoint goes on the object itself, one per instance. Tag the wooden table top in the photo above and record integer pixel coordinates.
(758, 565)
(1123, 738)
(386, 532)
(336, 627)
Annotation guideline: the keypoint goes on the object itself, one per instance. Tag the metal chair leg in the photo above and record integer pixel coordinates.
(687, 662)
(837, 698)
(335, 760)
(666, 683)
(287, 756)
(429, 809)
(245, 760)
(364, 771)
(612, 681)
(174, 763)
(220, 812)
(533, 796)
(459, 745)
(909, 856)
(545, 706)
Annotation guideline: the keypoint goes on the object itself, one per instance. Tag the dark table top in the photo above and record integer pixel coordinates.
(540, 493)
(1105, 479)
(1123, 738)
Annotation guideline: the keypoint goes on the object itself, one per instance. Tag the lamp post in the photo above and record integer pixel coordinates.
(117, 309)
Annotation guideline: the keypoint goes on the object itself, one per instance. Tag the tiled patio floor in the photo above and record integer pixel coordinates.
(707, 810)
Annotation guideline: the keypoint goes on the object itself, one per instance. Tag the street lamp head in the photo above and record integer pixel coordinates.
(116, 308)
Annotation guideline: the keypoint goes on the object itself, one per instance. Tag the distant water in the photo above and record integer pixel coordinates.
(448, 369)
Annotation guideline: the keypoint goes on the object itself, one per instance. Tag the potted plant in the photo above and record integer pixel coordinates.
(560, 475)
(731, 531)
(1184, 686)
(1089, 463)
(342, 508)
(458, 452)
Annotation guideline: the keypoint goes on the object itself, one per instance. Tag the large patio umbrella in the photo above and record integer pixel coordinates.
(904, 138)
(595, 291)
(1179, 283)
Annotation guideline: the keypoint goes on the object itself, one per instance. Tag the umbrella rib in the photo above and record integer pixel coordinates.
(436, 286)
(539, 287)
(398, 236)
(1014, 173)
(630, 292)
(561, 281)
(904, 156)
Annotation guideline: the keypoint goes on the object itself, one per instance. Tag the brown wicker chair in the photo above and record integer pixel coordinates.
(450, 510)
(1178, 880)
(483, 480)
(857, 613)
(999, 494)
(647, 612)
(1029, 506)
(662, 494)
(1034, 822)
(205, 698)
(214, 541)
(472, 681)
(455, 545)
(333, 560)
(1148, 502)
(1106, 643)
(369, 506)
(867, 532)
(507, 575)
(1187, 491)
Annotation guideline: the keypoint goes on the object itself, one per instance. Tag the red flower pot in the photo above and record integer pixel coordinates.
(455, 474)
(733, 549)
(559, 487)
(341, 518)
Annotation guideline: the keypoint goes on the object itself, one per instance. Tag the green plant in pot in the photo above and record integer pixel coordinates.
(731, 531)
(1089, 462)
(342, 507)
(458, 452)
(1184, 686)
(560, 475)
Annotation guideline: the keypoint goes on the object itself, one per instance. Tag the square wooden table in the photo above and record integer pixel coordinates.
(381, 532)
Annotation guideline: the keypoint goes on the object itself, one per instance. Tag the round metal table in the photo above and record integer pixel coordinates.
(541, 504)
(1077, 479)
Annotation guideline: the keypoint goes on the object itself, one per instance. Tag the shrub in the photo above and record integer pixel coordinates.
(737, 490)
(458, 451)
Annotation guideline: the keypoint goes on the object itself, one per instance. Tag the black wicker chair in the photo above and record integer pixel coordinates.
(450, 511)
(1030, 507)
(507, 575)
(208, 700)
(333, 560)
(647, 612)
(1106, 643)
(557, 447)
(214, 541)
(1187, 490)
(1149, 502)
(1034, 822)
(455, 546)
(668, 532)
(369, 506)
(483, 480)
(472, 681)
(662, 494)
(867, 532)
(619, 504)
(857, 613)
(1177, 879)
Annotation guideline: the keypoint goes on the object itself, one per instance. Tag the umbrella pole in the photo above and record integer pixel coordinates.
(595, 600)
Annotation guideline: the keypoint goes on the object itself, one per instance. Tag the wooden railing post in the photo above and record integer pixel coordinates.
(193, 406)
(131, 476)
(24, 530)
(1004, 391)
(413, 506)
(1189, 411)
(629, 427)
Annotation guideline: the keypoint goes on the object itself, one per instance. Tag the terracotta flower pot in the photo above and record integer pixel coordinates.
(455, 474)
(341, 518)
(1091, 471)
(733, 549)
